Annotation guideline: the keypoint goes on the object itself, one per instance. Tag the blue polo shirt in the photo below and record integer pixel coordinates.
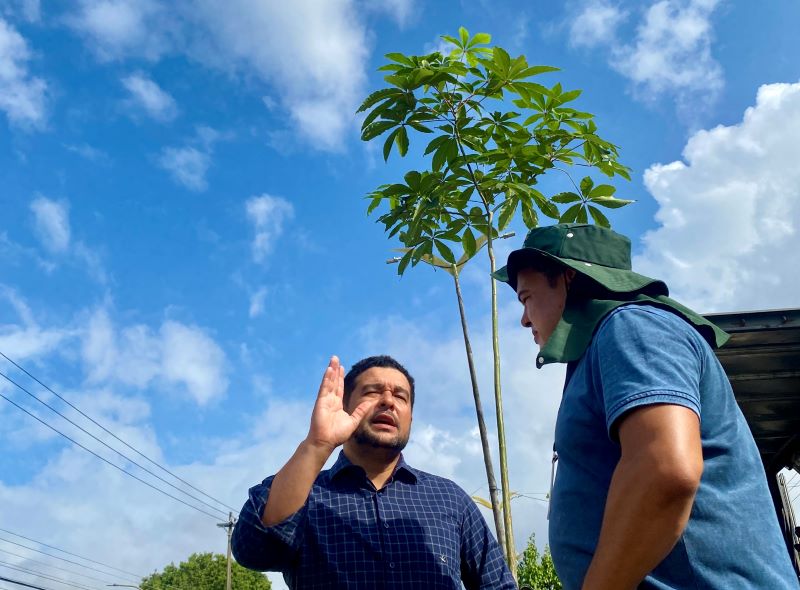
(644, 355)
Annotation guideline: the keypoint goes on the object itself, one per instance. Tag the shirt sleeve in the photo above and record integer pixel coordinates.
(263, 548)
(482, 564)
(644, 357)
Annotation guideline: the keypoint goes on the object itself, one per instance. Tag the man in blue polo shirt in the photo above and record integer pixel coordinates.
(371, 521)
(659, 482)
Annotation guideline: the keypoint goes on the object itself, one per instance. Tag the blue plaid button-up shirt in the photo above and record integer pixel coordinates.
(418, 531)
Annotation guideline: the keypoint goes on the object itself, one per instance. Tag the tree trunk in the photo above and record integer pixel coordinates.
(487, 453)
(498, 399)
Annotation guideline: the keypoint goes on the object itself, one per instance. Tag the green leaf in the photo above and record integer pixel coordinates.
(400, 58)
(387, 145)
(378, 96)
(450, 39)
(566, 198)
(529, 216)
(536, 70)
(507, 212)
(468, 242)
(464, 35)
(598, 217)
(445, 251)
(502, 60)
(435, 143)
(602, 190)
(481, 39)
(568, 96)
(404, 262)
(582, 217)
(571, 214)
(586, 185)
(373, 130)
(548, 208)
(374, 203)
(611, 202)
(402, 141)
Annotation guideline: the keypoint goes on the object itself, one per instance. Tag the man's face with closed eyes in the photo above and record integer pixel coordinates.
(389, 424)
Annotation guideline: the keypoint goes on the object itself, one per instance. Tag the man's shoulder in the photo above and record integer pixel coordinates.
(641, 319)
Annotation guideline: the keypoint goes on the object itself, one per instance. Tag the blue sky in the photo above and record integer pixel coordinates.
(183, 239)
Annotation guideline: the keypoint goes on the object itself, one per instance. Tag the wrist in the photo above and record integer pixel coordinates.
(317, 450)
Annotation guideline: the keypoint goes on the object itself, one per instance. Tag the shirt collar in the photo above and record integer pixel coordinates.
(402, 470)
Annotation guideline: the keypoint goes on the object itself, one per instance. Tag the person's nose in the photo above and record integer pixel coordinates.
(525, 320)
(387, 399)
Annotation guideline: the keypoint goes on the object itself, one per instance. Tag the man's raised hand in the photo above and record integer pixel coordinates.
(331, 424)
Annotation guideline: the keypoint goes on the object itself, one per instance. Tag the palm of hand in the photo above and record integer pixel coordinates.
(331, 425)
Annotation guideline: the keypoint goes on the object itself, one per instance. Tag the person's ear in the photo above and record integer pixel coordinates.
(569, 275)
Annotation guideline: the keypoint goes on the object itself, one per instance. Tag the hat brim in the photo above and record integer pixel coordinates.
(616, 280)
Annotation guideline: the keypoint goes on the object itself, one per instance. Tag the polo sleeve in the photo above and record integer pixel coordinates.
(261, 548)
(482, 563)
(647, 356)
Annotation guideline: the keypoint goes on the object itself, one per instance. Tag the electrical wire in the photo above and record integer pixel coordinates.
(107, 431)
(105, 444)
(17, 582)
(43, 576)
(55, 567)
(135, 576)
(114, 465)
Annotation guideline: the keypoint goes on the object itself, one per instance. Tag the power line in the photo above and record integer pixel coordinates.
(136, 576)
(114, 465)
(105, 444)
(107, 431)
(55, 567)
(43, 576)
(17, 582)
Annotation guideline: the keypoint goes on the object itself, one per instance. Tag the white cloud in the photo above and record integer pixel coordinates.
(22, 97)
(30, 10)
(670, 54)
(187, 165)
(672, 51)
(137, 356)
(148, 96)
(728, 212)
(117, 28)
(268, 215)
(52, 227)
(257, 302)
(51, 219)
(596, 24)
(26, 338)
(312, 52)
(402, 11)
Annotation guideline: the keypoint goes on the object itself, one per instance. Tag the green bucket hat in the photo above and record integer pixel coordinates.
(604, 257)
(601, 254)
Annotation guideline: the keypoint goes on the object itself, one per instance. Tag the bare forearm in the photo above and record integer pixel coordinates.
(292, 484)
(646, 513)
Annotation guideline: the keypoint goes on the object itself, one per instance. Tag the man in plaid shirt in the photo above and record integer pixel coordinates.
(371, 521)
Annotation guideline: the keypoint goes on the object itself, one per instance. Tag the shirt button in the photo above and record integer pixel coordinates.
(391, 565)
(386, 525)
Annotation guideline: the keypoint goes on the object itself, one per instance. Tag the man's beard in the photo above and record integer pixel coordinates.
(364, 437)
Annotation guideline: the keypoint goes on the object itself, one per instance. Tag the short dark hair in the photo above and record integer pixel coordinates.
(382, 361)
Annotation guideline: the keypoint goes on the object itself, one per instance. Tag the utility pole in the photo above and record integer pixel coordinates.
(229, 529)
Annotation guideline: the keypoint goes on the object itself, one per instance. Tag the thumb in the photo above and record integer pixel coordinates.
(362, 410)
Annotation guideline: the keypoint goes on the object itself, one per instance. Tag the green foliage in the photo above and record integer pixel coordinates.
(205, 571)
(491, 133)
(537, 572)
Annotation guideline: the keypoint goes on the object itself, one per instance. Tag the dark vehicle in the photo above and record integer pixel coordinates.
(762, 360)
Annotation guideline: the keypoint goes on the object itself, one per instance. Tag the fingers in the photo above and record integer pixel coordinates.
(362, 410)
(330, 378)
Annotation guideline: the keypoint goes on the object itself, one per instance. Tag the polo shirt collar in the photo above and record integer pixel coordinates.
(402, 470)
